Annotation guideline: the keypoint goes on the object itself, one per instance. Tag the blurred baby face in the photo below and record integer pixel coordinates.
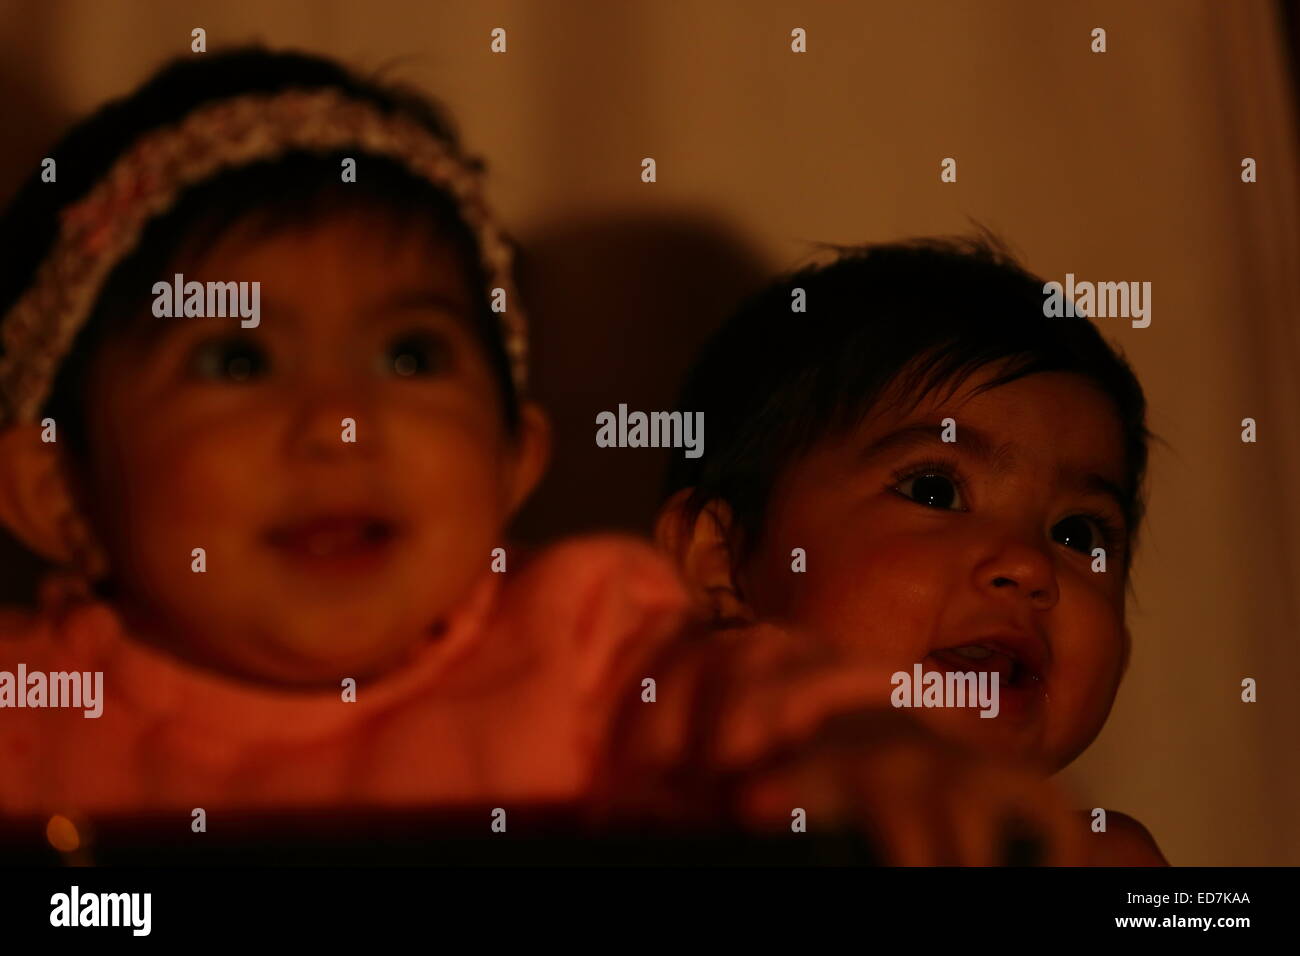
(325, 558)
(974, 555)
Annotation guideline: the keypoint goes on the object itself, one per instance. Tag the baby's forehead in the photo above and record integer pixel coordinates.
(360, 260)
(1047, 416)
(367, 236)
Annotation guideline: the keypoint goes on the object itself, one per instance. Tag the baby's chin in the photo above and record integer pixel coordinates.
(288, 644)
(276, 629)
(323, 659)
(1016, 736)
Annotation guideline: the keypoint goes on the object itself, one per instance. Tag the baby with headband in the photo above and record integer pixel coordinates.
(278, 533)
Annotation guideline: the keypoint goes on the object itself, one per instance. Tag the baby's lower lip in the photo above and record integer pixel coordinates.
(336, 546)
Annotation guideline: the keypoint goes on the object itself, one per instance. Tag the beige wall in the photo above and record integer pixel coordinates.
(1116, 166)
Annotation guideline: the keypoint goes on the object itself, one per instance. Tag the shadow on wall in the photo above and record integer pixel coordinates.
(618, 307)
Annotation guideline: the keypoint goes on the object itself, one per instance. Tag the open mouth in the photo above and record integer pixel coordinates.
(334, 538)
(1011, 670)
(1020, 661)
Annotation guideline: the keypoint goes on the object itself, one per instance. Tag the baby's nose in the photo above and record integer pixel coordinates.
(332, 419)
(1024, 569)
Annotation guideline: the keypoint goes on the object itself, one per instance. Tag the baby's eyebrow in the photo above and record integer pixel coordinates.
(979, 445)
(146, 336)
(405, 300)
(420, 299)
(971, 441)
(1094, 483)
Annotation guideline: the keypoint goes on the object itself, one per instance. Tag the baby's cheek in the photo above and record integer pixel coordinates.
(179, 498)
(1089, 631)
(454, 486)
(449, 470)
(209, 456)
(882, 598)
(1087, 659)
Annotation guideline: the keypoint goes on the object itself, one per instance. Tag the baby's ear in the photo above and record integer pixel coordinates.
(533, 453)
(1128, 652)
(699, 545)
(37, 504)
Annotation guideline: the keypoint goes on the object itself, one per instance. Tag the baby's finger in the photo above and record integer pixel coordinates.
(906, 833)
(972, 827)
(1046, 821)
(1067, 846)
(1022, 840)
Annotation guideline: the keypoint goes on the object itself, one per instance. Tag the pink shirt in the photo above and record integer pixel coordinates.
(514, 701)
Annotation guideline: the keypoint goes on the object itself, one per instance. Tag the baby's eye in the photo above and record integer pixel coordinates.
(1083, 533)
(931, 488)
(416, 353)
(231, 359)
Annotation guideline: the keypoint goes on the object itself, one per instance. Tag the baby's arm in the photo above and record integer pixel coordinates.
(689, 724)
(754, 728)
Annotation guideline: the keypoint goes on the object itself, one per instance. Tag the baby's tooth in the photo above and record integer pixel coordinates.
(975, 653)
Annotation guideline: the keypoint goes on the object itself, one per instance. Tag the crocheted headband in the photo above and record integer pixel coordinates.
(101, 229)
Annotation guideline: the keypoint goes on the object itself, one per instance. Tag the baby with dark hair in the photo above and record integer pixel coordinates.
(907, 459)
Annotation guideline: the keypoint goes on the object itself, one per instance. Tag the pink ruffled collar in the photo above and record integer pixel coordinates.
(91, 636)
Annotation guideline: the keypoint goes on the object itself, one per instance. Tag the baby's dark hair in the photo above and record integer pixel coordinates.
(298, 188)
(893, 320)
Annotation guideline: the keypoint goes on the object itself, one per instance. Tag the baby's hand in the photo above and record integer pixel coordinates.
(921, 800)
